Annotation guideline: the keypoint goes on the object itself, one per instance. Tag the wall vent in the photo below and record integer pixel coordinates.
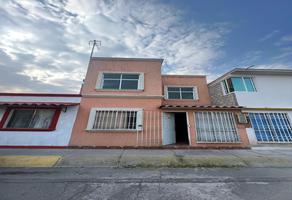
(241, 118)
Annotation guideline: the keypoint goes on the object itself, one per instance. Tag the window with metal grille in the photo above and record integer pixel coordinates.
(271, 127)
(102, 119)
(216, 127)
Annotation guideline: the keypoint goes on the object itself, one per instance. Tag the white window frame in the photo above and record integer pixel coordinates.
(226, 136)
(242, 78)
(100, 80)
(195, 92)
(139, 119)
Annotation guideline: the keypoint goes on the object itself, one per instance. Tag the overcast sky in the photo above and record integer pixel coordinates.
(44, 44)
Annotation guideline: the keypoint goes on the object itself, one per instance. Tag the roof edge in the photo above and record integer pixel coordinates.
(40, 94)
(129, 59)
(201, 107)
(222, 76)
(256, 70)
(183, 75)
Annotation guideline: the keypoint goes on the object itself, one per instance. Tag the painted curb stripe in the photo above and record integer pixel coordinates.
(29, 161)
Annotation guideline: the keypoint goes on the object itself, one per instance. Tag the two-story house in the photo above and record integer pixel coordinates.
(266, 95)
(128, 102)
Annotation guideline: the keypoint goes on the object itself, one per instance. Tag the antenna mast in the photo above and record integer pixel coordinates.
(250, 66)
(94, 43)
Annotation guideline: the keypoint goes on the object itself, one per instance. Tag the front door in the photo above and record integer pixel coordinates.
(168, 129)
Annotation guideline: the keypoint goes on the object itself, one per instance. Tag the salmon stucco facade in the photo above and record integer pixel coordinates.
(127, 102)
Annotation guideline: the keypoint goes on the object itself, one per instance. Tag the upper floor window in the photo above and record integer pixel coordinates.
(121, 81)
(234, 84)
(181, 93)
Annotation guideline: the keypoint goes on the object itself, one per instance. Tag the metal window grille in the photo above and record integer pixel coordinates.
(271, 127)
(216, 127)
(115, 120)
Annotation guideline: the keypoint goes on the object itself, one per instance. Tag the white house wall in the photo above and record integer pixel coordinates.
(272, 92)
(59, 137)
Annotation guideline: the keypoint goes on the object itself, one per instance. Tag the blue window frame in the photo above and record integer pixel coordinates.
(238, 84)
(271, 127)
(249, 84)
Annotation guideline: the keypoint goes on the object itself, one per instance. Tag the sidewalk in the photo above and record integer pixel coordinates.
(147, 158)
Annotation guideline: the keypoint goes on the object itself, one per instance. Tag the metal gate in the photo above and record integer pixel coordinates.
(151, 132)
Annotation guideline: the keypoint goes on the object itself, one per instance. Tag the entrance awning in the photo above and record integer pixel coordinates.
(205, 107)
(38, 104)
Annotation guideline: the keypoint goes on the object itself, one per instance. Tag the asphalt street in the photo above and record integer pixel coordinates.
(137, 183)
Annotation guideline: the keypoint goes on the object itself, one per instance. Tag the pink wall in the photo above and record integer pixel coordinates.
(151, 70)
(149, 100)
(180, 80)
(81, 137)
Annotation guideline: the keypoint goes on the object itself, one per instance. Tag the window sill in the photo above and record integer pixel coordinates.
(203, 142)
(181, 99)
(109, 90)
(239, 92)
(26, 129)
(112, 130)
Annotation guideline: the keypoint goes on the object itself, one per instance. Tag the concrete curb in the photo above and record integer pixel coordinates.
(149, 158)
(89, 161)
(174, 161)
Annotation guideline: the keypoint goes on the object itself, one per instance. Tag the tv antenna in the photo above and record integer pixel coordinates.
(250, 67)
(94, 43)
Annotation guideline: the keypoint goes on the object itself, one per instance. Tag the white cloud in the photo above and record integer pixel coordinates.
(286, 39)
(48, 76)
(47, 41)
(273, 66)
(269, 35)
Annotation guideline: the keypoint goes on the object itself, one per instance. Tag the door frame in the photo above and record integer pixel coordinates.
(187, 121)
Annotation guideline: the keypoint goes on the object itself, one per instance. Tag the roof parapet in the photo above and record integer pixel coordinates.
(245, 71)
(129, 59)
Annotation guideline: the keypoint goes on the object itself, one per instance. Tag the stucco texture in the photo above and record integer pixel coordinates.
(82, 137)
(192, 81)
